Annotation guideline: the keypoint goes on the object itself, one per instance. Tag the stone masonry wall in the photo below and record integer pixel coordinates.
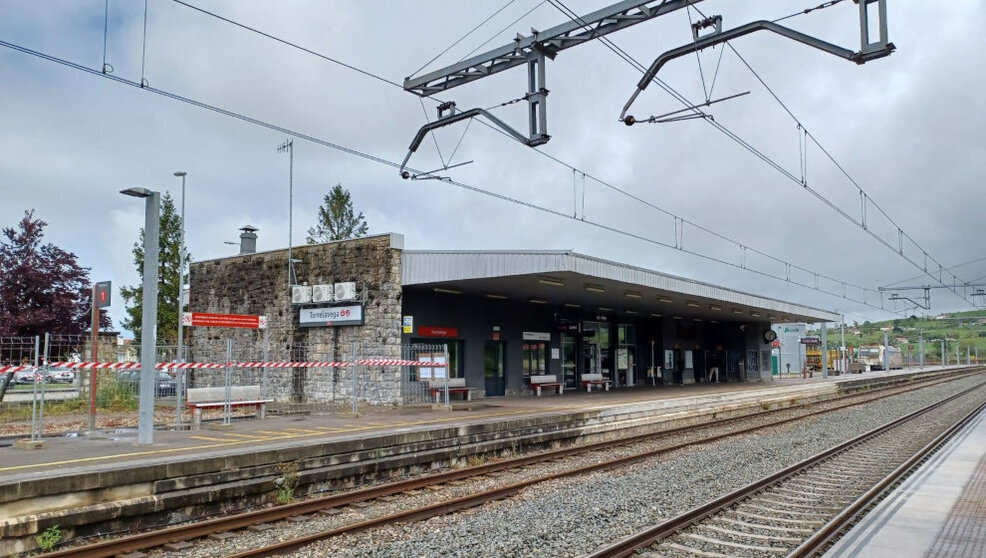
(257, 284)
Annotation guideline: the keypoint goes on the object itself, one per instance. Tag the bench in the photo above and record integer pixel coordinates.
(589, 380)
(215, 397)
(544, 381)
(436, 387)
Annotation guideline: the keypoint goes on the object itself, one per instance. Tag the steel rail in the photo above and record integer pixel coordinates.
(473, 500)
(834, 529)
(142, 541)
(629, 545)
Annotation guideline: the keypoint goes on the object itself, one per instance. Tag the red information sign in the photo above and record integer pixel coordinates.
(201, 319)
(429, 331)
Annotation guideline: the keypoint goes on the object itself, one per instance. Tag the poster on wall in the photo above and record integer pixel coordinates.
(668, 359)
(688, 360)
(622, 359)
(429, 372)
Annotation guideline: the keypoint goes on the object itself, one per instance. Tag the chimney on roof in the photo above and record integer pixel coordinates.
(248, 239)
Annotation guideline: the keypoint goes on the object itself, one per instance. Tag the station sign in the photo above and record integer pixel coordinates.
(431, 331)
(536, 336)
(331, 316)
(205, 319)
(811, 341)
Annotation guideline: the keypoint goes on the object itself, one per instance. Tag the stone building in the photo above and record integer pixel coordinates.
(501, 315)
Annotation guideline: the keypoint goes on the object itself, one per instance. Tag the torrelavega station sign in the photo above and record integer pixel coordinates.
(331, 316)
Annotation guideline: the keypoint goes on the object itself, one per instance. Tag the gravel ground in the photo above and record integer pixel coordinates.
(572, 517)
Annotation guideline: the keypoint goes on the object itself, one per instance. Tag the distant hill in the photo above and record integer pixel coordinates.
(968, 329)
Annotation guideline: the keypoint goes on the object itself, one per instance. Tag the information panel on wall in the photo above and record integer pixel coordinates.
(331, 316)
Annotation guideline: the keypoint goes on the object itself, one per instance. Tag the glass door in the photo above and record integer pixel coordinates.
(493, 368)
(568, 360)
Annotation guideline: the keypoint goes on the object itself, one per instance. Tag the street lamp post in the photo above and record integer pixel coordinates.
(181, 301)
(148, 334)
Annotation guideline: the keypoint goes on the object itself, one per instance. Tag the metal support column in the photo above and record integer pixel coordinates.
(886, 349)
(537, 98)
(825, 351)
(921, 350)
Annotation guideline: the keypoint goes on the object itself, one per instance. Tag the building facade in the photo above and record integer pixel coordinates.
(502, 315)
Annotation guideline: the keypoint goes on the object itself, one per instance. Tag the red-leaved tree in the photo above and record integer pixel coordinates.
(42, 287)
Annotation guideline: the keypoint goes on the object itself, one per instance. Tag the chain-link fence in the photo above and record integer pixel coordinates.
(68, 394)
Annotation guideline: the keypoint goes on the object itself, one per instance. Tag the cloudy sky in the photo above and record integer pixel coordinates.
(906, 129)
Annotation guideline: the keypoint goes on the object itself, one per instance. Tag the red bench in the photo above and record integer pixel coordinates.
(545, 381)
(589, 380)
(436, 387)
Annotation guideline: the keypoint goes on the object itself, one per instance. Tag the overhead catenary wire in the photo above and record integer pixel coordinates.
(558, 4)
(480, 190)
(861, 222)
(462, 38)
(627, 58)
(395, 165)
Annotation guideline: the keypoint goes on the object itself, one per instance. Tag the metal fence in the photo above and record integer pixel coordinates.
(45, 400)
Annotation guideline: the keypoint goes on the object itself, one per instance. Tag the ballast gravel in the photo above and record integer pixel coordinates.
(575, 516)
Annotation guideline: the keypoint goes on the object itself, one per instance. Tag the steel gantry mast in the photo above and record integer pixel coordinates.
(532, 50)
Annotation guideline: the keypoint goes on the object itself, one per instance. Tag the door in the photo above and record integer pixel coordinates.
(493, 359)
(568, 360)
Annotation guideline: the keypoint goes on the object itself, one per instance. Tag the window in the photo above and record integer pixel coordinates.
(535, 358)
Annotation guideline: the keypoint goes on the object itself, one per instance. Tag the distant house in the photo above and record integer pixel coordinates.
(855, 331)
(942, 317)
(900, 340)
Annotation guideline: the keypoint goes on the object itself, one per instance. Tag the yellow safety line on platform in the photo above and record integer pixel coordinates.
(225, 442)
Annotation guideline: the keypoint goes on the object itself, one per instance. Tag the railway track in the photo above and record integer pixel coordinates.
(800, 510)
(709, 432)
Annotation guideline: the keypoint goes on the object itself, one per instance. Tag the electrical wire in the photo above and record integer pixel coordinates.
(688, 104)
(859, 223)
(462, 38)
(392, 164)
(620, 52)
(287, 43)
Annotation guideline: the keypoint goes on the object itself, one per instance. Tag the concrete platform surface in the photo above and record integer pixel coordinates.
(117, 449)
(939, 512)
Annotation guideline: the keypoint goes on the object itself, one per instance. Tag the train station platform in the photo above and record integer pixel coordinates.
(938, 512)
(79, 481)
(116, 448)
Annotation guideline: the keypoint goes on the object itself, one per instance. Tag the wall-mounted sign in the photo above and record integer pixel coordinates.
(432, 331)
(331, 316)
(536, 336)
(202, 319)
(407, 325)
(811, 341)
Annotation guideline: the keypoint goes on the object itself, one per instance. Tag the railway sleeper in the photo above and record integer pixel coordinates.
(762, 526)
(774, 519)
(739, 546)
(746, 535)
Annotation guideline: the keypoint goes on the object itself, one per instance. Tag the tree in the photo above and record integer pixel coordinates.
(42, 287)
(336, 218)
(168, 289)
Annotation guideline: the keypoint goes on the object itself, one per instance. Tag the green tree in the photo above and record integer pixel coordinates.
(168, 289)
(336, 218)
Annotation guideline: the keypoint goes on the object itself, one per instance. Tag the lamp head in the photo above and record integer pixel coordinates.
(181, 173)
(137, 192)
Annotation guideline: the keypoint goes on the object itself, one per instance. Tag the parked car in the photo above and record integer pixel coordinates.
(61, 375)
(164, 384)
(25, 376)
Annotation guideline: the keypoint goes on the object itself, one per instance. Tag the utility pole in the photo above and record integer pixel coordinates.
(944, 362)
(180, 357)
(288, 146)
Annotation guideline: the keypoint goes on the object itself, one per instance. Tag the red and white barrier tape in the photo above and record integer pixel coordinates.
(213, 365)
